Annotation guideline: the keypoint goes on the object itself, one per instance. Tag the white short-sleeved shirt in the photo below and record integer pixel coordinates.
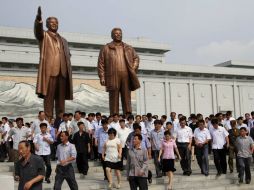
(218, 135)
(36, 126)
(115, 125)
(202, 135)
(6, 129)
(226, 123)
(19, 134)
(44, 147)
(122, 134)
(74, 125)
(111, 150)
(64, 125)
(243, 125)
(184, 135)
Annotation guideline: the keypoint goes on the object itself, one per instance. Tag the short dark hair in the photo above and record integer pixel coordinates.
(243, 128)
(98, 114)
(5, 118)
(80, 123)
(27, 143)
(112, 131)
(183, 118)
(149, 115)
(168, 123)
(130, 117)
(164, 117)
(136, 126)
(252, 113)
(43, 125)
(121, 121)
(214, 121)
(66, 115)
(115, 114)
(83, 113)
(104, 121)
(79, 112)
(65, 132)
(157, 122)
(240, 118)
(228, 113)
(41, 112)
(70, 114)
(139, 136)
(19, 119)
(167, 133)
(200, 121)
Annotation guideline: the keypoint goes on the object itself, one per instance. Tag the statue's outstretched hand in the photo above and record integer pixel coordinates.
(38, 17)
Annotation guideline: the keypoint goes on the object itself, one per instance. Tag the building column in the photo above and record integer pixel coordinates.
(214, 98)
(191, 97)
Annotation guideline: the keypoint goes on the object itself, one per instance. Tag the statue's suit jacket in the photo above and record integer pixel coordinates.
(107, 68)
(47, 59)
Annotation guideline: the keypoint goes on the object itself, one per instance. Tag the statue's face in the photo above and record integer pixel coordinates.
(117, 36)
(52, 25)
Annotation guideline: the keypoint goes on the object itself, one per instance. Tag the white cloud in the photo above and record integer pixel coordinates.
(216, 52)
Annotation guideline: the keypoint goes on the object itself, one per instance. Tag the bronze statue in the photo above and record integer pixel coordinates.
(117, 67)
(54, 81)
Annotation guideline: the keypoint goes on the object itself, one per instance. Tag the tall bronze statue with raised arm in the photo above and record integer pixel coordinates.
(54, 80)
(117, 67)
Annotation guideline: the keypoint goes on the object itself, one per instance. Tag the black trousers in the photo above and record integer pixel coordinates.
(138, 182)
(220, 161)
(185, 154)
(103, 166)
(46, 159)
(82, 163)
(65, 173)
(124, 155)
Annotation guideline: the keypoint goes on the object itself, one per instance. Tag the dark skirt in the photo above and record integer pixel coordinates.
(168, 165)
(114, 165)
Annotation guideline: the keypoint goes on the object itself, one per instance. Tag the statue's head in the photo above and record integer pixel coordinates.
(52, 24)
(116, 34)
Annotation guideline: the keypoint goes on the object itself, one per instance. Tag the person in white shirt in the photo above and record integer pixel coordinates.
(220, 142)
(122, 133)
(5, 130)
(96, 126)
(164, 121)
(129, 122)
(141, 123)
(240, 124)
(74, 123)
(115, 123)
(174, 121)
(184, 139)
(42, 143)
(18, 134)
(149, 123)
(64, 126)
(202, 137)
(113, 150)
(35, 127)
(227, 120)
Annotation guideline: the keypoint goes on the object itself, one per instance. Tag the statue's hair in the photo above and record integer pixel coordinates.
(113, 30)
(49, 18)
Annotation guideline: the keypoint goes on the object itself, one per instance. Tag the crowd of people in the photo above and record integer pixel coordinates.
(112, 139)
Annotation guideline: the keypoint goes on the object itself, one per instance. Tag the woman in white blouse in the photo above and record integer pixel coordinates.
(111, 154)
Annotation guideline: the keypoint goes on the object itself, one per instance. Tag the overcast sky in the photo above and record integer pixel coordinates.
(198, 31)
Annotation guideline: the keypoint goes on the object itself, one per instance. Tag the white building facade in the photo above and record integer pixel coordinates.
(164, 87)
